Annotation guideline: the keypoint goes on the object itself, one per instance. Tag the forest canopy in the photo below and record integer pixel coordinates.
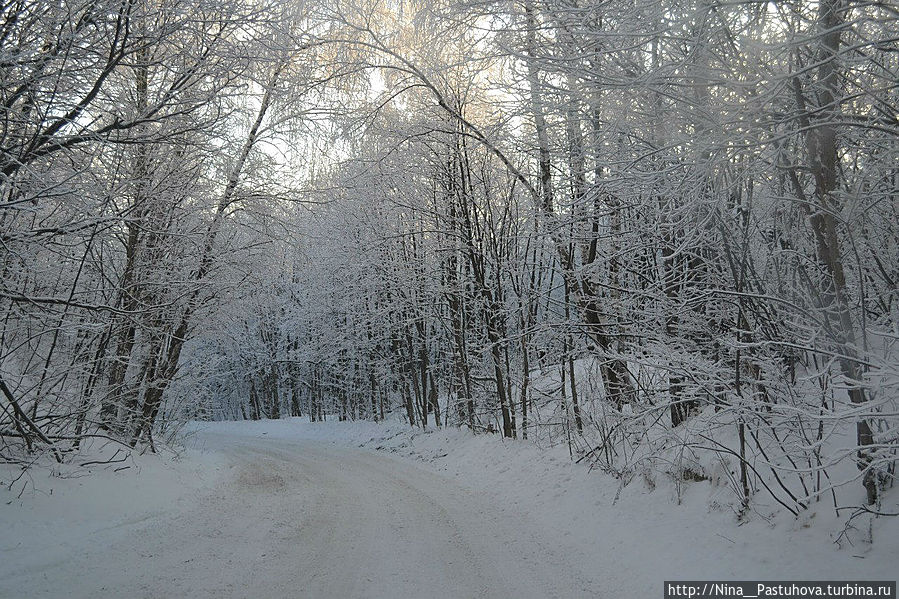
(664, 232)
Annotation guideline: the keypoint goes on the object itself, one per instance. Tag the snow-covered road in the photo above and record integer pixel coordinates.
(291, 509)
(293, 518)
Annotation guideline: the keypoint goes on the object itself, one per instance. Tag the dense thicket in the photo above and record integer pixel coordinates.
(664, 233)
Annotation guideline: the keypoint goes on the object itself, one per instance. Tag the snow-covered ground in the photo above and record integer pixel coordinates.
(292, 509)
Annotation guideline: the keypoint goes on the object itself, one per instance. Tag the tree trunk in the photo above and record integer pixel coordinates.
(820, 124)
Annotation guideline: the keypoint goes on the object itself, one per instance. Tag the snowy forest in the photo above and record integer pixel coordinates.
(662, 233)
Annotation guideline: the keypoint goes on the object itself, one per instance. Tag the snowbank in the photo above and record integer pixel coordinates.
(53, 510)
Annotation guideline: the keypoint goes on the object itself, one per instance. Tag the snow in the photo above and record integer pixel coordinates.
(358, 509)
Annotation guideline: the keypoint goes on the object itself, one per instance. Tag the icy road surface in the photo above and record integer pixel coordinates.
(303, 519)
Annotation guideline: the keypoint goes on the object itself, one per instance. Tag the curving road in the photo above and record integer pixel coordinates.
(305, 519)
